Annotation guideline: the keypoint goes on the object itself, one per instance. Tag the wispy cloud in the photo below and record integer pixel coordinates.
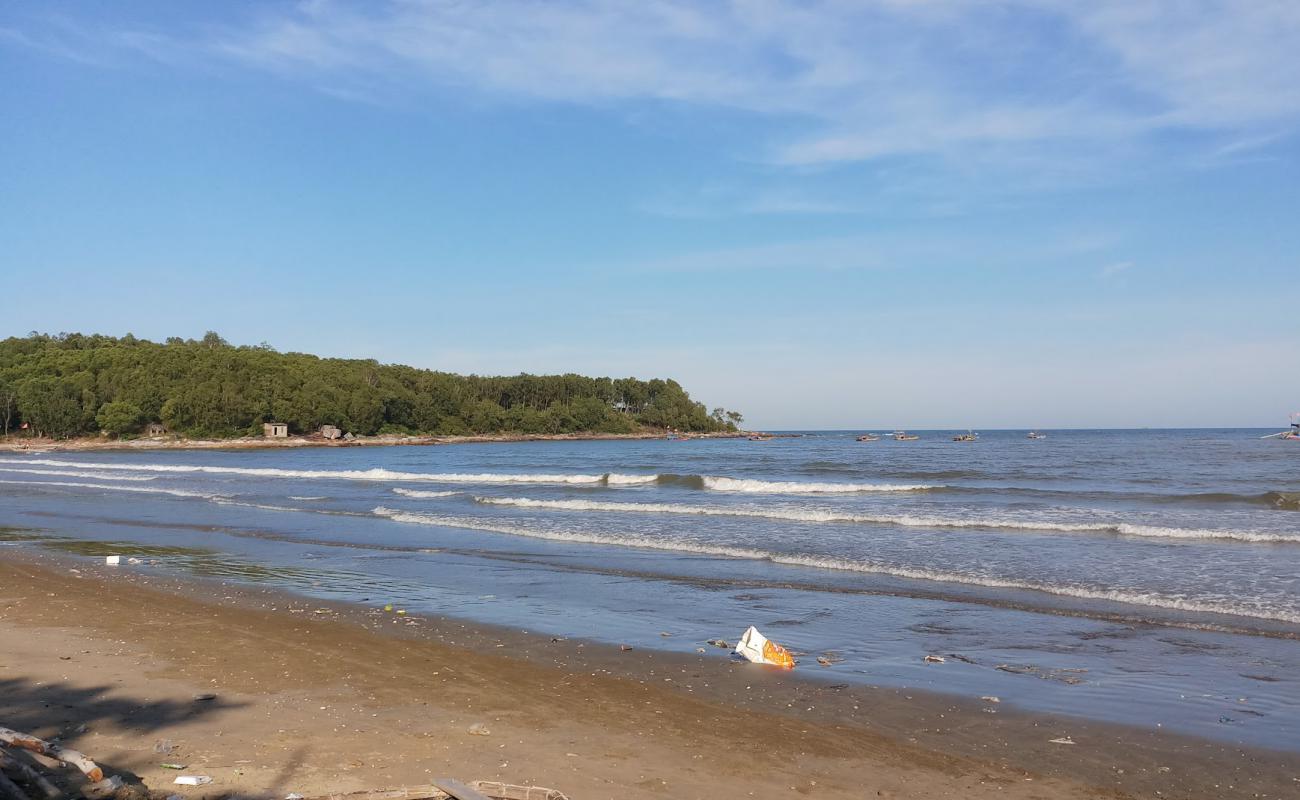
(851, 80)
(50, 45)
(872, 79)
(902, 249)
(1116, 268)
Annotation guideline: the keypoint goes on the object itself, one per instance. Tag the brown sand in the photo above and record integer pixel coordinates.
(26, 444)
(316, 698)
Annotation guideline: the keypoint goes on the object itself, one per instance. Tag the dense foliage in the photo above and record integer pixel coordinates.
(74, 384)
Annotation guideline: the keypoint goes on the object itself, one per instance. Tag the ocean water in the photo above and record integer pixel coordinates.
(1147, 577)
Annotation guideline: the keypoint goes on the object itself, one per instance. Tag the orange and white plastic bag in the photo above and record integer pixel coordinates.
(758, 648)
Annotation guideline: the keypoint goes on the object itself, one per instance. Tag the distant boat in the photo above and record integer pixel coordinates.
(1036, 435)
(1293, 434)
(968, 436)
(904, 436)
(868, 437)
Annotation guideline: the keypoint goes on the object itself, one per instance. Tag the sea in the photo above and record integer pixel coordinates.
(1145, 577)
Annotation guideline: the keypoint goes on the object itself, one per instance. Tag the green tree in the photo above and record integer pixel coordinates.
(51, 405)
(119, 418)
(60, 385)
(8, 404)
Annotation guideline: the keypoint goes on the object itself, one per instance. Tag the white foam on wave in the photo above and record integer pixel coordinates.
(311, 497)
(227, 501)
(721, 484)
(905, 520)
(64, 473)
(615, 479)
(821, 562)
(418, 493)
(1261, 537)
(376, 474)
(118, 488)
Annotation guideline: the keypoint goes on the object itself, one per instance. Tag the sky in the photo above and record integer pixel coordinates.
(869, 214)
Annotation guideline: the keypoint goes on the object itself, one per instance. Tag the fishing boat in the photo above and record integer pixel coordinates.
(904, 436)
(1291, 435)
(1036, 435)
(968, 436)
(868, 437)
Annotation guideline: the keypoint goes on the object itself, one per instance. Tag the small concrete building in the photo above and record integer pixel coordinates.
(275, 430)
(330, 432)
(155, 429)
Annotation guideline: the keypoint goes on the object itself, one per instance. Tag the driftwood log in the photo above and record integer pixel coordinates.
(28, 742)
(15, 764)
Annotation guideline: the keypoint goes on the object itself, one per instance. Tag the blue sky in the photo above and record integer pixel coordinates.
(825, 214)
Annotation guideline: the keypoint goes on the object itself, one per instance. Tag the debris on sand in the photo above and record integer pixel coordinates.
(30, 760)
(24, 741)
(192, 780)
(759, 649)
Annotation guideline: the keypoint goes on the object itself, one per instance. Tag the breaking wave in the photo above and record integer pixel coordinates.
(615, 479)
(1285, 500)
(720, 484)
(418, 493)
(75, 474)
(906, 520)
(715, 483)
(374, 475)
(119, 488)
(820, 562)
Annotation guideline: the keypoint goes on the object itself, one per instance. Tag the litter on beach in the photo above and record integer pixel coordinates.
(192, 780)
(758, 648)
(112, 560)
(1062, 740)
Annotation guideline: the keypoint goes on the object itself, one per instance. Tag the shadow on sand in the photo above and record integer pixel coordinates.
(70, 715)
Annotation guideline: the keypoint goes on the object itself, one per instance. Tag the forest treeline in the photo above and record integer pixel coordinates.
(74, 384)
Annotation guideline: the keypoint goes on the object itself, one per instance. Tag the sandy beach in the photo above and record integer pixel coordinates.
(316, 698)
(24, 444)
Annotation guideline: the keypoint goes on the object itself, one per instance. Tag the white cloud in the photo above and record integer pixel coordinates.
(852, 80)
(869, 79)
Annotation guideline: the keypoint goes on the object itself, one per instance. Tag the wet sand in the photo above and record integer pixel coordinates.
(316, 698)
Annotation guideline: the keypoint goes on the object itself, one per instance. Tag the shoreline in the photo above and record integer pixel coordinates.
(900, 742)
(89, 444)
